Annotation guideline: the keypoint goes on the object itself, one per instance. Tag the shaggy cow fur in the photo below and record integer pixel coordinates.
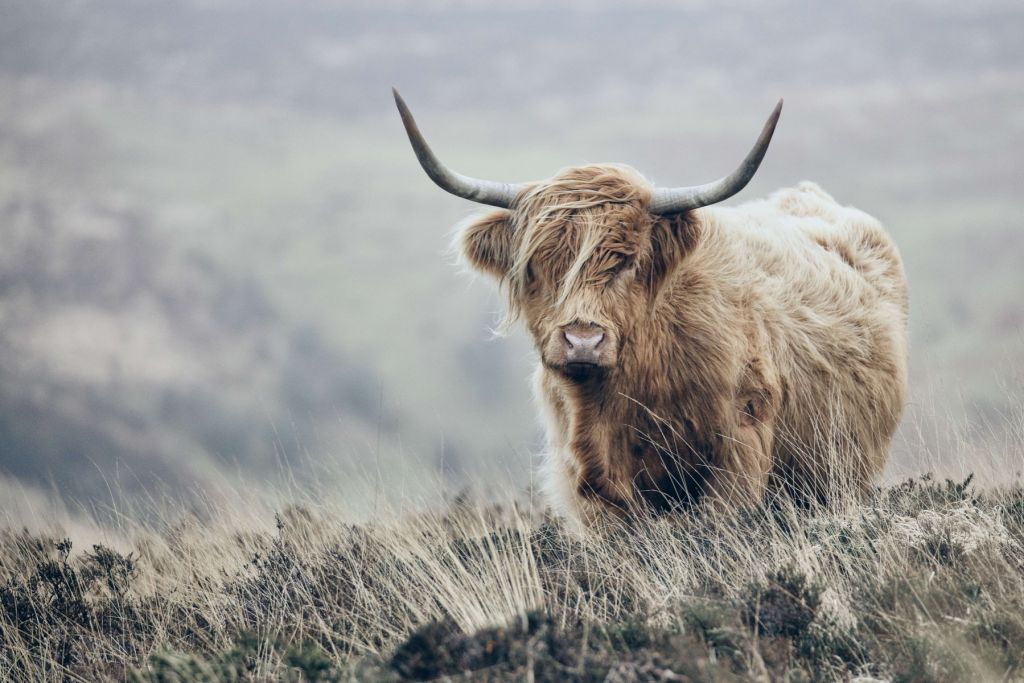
(746, 347)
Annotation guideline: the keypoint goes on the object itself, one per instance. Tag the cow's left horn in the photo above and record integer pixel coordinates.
(669, 200)
(482, 191)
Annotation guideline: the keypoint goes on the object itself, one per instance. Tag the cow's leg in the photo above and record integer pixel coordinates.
(741, 468)
(583, 505)
(742, 461)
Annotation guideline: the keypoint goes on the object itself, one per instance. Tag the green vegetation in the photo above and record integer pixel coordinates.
(924, 581)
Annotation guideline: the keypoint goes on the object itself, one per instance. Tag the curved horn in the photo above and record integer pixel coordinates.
(669, 200)
(482, 191)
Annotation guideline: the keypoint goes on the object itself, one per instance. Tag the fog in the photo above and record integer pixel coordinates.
(222, 263)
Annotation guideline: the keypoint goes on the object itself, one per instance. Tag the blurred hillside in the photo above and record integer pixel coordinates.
(220, 255)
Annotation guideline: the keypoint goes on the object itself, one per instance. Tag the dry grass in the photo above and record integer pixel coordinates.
(923, 581)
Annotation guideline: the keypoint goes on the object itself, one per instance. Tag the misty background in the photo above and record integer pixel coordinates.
(220, 261)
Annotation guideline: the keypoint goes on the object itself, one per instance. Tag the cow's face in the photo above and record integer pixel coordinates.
(582, 261)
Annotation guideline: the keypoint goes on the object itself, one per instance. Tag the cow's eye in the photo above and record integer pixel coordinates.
(623, 266)
(531, 277)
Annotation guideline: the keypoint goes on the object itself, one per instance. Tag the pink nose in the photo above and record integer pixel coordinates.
(584, 341)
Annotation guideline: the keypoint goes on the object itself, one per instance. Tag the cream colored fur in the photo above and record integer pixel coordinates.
(759, 348)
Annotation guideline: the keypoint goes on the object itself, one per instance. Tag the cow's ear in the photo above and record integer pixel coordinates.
(487, 242)
(672, 238)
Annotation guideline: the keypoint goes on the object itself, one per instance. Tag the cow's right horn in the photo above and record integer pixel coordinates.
(482, 191)
(670, 200)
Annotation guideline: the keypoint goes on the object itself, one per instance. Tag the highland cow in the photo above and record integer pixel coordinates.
(690, 352)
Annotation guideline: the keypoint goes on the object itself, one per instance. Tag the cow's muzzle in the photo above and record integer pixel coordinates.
(583, 343)
(585, 351)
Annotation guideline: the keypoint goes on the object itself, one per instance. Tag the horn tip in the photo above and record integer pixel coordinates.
(403, 110)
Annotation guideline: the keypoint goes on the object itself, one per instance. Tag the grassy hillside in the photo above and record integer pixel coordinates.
(923, 581)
